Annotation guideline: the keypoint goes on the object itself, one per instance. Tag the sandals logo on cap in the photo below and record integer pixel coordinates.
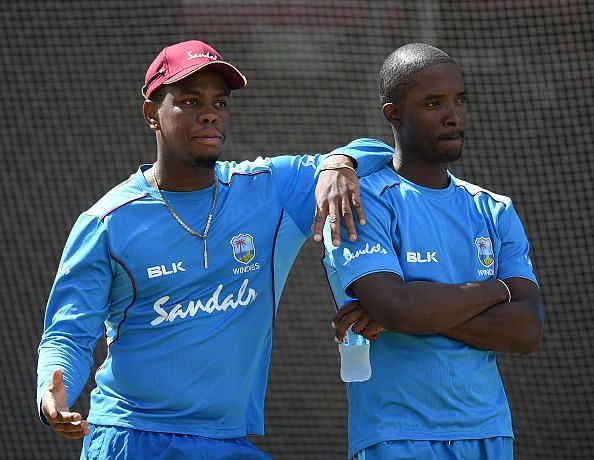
(191, 56)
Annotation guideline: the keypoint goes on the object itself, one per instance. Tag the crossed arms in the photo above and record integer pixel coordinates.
(475, 313)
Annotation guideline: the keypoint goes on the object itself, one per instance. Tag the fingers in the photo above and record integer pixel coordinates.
(67, 417)
(347, 218)
(345, 322)
(345, 310)
(53, 414)
(54, 406)
(319, 219)
(347, 183)
(353, 314)
(72, 430)
(54, 398)
(66, 424)
(367, 327)
(356, 203)
(69, 425)
(334, 213)
(50, 410)
(360, 326)
(337, 193)
(372, 331)
(327, 206)
(57, 380)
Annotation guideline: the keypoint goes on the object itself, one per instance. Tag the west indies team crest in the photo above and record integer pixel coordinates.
(243, 248)
(484, 248)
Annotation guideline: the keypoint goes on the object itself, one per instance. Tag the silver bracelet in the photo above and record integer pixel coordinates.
(506, 288)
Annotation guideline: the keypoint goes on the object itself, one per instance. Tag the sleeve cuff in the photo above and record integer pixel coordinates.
(41, 416)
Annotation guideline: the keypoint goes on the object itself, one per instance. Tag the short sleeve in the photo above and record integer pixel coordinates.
(374, 249)
(514, 259)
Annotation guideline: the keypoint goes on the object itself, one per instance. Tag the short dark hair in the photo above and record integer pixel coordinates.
(397, 73)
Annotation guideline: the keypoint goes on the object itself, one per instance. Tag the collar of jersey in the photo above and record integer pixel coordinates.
(172, 197)
(433, 193)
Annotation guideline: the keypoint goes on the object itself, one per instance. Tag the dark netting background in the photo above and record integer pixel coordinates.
(72, 127)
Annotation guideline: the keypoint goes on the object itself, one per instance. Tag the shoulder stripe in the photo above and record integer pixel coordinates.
(134, 293)
(130, 200)
(274, 241)
(489, 194)
(251, 173)
(388, 187)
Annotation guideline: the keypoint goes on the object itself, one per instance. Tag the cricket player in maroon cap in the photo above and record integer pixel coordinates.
(183, 266)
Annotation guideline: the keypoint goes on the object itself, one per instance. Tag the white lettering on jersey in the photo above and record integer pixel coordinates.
(350, 256)
(486, 272)
(249, 268)
(161, 270)
(212, 304)
(417, 258)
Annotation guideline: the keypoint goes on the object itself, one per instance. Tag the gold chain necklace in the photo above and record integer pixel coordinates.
(183, 224)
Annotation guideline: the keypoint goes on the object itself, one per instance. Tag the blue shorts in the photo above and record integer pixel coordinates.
(117, 443)
(500, 448)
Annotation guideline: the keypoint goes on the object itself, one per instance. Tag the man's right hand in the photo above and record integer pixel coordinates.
(54, 406)
(354, 314)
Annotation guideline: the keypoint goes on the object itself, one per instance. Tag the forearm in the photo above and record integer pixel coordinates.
(425, 307)
(514, 327)
(496, 330)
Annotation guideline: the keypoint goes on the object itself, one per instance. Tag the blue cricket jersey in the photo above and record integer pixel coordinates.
(188, 347)
(428, 387)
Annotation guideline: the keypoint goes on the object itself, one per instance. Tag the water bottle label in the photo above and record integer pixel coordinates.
(353, 339)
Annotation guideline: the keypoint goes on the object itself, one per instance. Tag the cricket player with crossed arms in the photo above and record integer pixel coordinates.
(183, 264)
(443, 266)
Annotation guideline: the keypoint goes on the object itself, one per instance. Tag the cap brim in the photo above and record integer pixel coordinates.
(234, 78)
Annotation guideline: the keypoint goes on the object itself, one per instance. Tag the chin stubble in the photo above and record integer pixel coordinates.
(208, 162)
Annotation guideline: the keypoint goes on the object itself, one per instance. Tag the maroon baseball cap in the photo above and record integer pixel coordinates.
(178, 61)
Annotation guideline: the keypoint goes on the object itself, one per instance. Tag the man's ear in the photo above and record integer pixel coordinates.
(151, 114)
(392, 114)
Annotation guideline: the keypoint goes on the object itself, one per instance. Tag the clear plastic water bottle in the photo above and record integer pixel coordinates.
(354, 357)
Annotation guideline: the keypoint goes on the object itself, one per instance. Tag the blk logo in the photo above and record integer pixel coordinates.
(418, 258)
(162, 270)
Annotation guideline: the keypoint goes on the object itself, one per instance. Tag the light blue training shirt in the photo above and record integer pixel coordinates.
(188, 347)
(427, 387)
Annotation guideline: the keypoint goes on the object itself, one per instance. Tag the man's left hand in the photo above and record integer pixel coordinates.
(337, 193)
